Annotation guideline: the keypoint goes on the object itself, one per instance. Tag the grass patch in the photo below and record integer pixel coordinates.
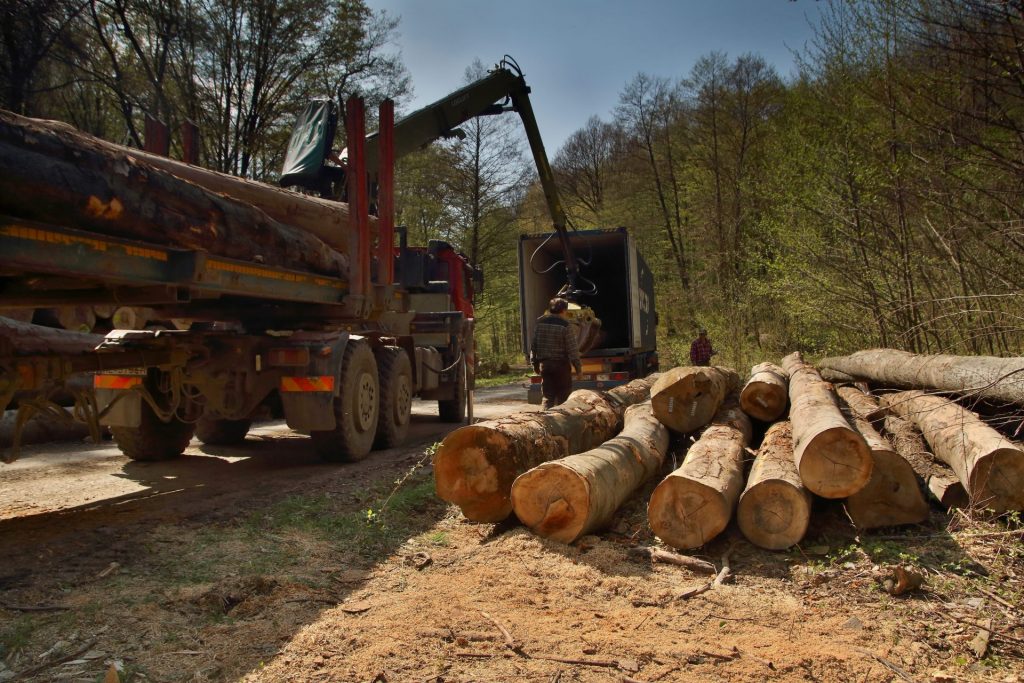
(500, 380)
(16, 635)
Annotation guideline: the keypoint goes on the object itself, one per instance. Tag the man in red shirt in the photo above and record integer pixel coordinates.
(700, 349)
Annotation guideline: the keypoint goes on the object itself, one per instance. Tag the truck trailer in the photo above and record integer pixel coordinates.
(619, 290)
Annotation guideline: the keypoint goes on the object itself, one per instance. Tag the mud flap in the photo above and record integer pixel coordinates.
(119, 407)
(309, 411)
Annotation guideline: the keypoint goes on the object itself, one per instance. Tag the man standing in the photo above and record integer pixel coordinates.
(700, 349)
(555, 352)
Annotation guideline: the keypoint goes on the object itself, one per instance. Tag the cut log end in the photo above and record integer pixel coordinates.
(836, 463)
(552, 501)
(997, 481)
(464, 473)
(764, 401)
(685, 513)
(891, 497)
(774, 514)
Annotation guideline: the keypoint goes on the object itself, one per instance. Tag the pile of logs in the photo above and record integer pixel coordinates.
(565, 472)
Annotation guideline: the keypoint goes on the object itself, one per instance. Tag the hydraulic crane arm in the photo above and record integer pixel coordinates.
(503, 89)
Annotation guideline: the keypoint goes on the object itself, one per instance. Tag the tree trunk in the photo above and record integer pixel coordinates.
(831, 457)
(990, 467)
(476, 465)
(51, 174)
(686, 398)
(567, 498)
(775, 508)
(695, 503)
(75, 318)
(892, 495)
(939, 478)
(766, 393)
(997, 379)
(23, 339)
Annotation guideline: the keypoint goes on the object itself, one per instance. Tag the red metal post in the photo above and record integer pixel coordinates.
(386, 195)
(158, 139)
(190, 143)
(358, 197)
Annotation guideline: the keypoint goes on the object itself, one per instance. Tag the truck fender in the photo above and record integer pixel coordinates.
(313, 410)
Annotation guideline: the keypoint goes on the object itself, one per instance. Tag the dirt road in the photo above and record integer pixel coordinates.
(263, 563)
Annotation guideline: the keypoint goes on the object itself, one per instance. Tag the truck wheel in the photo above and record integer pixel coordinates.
(153, 440)
(395, 396)
(454, 409)
(356, 408)
(216, 432)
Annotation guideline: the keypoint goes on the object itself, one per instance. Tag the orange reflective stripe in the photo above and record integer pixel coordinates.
(323, 383)
(115, 381)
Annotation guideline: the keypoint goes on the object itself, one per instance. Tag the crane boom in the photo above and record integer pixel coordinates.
(503, 89)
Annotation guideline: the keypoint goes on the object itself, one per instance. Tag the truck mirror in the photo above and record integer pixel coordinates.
(478, 280)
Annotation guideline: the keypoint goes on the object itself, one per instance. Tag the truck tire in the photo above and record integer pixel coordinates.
(153, 440)
(395, 373)
(356, 408)
(454, 409)
(217, 432)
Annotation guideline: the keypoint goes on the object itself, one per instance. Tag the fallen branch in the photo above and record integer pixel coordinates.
(694, 592)
(657, 555)
(725, 575)
(887, 664)
(60, 660)
(607, 663)
(33, 608)
(510, 642)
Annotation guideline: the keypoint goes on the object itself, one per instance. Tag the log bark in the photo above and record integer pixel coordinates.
(476, 465)
(694, 504)
(567, 498)
(686, 398)
(766, 393)
(832, 458)
(775, 508)
(75, 318)
(892, 496)
(988, 377)
(53, 174)
(326, 219)
(990, 466)
(940, 480)
(24, 339)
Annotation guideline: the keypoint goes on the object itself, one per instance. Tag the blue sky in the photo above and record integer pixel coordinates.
(578, 54)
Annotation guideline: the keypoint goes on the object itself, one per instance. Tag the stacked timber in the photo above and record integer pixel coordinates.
(567, 498)
(892, 495)
(940, 480)
(686, 398)
(989, 466)
(987, 377)
(476, 465)
(766, 393)
(694, 503)
(832, 458)
(51, 173)
(775, 508)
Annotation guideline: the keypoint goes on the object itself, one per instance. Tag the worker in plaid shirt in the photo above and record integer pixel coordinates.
(700, 349)
(555, 352)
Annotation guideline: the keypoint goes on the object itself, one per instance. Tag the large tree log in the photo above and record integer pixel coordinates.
(686, 398)
(23, 339)
(831, 457)
(694, 504)
(939, 478)
(51, 174)
(989, 465)
(775, 508)
(892, 495)
(998, 379)
(323, 218)
(567, 498)
(476, 465)
(766, 392)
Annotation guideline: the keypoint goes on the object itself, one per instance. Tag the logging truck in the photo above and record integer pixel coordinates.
(301, 303)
